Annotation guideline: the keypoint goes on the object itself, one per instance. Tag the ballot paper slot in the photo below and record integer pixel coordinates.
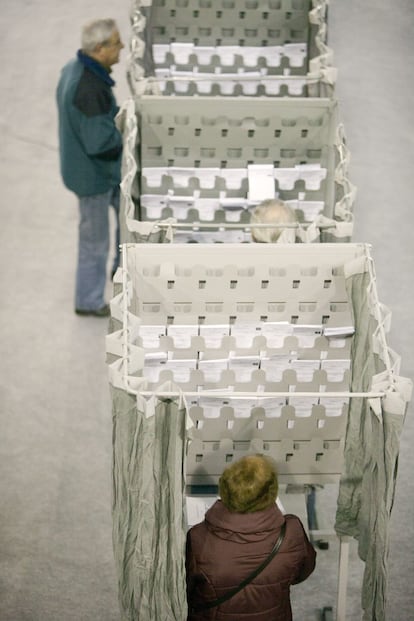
(295, 166)
(220, 209)
(273, 354)
(263, 413)
(248, 271)
(295, 458)
(251, 368)
(228, 26)
(227, 85)
(273, 59)
(282, 318)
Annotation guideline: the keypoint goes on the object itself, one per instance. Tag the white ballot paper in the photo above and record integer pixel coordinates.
(272, 406)
(150, 335)
(181, 52)
(197, 506)
(243, 367)
(272, 54)
(181, 369)
(261, 181)
(162, 76)
(181, 176)
(203, 84)
(204, 54)
(211, 406)
(227, 85)
(227, 54)
(181, 334)
(251, 55)
(207, 177)
(333, 405)
(244, 333)
(335, 369)
(250, 86)
(233, 177)
(242, 407)
(207, 208)
(311, 209)
(307, 334)
(276, 332)
(296, 52)
(303, 405)
(212, 369)
(337, 342)
(153, 365)
(159, 52)
(295, 85)
(180, 208)
(338, 331)
(235, 203)
(305, 369)
(213, 334)
(286, 177)
(183, 82)
(233, 215)
(274, 366)
(271, 84)
(312, 175)
(154, 204)
(153, 175)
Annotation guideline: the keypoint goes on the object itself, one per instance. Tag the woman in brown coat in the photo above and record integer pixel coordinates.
(237, 535)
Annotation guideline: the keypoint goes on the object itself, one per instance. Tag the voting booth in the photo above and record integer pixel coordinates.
(195, 167)
(218, 351)
(272, 48)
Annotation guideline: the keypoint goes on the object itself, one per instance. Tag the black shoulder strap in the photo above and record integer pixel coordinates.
(246, 581)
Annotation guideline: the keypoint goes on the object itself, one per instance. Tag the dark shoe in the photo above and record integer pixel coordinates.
(100, 312)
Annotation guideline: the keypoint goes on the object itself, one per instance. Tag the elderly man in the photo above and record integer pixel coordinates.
(90, 156)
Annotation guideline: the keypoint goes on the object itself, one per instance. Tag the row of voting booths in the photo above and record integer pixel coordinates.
(219, 347)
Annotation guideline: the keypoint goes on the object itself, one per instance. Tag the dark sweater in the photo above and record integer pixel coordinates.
(90, 145)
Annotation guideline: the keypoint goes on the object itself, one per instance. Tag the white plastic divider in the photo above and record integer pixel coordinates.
(211, 48)
(159, 213)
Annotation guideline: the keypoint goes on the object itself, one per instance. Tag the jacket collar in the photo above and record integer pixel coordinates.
(228, 525)
(95, 67)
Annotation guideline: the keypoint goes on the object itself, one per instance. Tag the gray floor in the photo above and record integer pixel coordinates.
(55, 435)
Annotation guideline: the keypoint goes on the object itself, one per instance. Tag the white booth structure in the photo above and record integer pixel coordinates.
(271, 48)
(195, 167)
(220, 350)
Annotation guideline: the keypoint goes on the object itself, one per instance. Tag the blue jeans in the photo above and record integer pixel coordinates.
(93, 248)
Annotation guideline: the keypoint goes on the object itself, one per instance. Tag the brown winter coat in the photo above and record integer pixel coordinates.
(225, 548)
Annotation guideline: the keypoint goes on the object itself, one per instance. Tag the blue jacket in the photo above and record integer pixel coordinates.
(90, 145)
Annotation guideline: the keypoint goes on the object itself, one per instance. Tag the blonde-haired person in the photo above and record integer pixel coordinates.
(272, 211)
(236, 538)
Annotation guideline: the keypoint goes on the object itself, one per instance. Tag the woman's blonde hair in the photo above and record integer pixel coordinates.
(248, 485)
(271, 211)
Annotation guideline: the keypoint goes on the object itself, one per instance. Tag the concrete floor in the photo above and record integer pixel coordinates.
(55, 425)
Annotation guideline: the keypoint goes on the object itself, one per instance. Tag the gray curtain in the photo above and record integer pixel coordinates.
(149, 525)
(367, 485)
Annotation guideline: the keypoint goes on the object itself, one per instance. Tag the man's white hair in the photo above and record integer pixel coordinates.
(271, 211)
(97, 32)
